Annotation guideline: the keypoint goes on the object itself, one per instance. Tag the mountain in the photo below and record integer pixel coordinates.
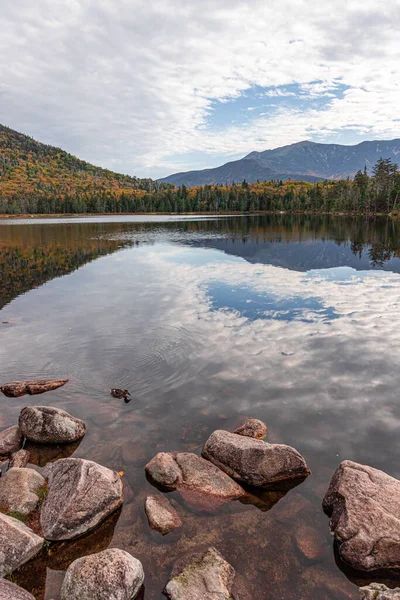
(304, 161)
(36, 177)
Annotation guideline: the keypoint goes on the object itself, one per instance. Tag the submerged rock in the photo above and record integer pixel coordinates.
(254, 462)
(201, 576)
(15, 389)
(18, 490)
(18, 544)
(109, 575)
(200, 482)
(10, 591)
(364, 506)
(378, 591)
(81, 494)
(10, 440)
(49, 425)
(252, 428)
(161, 515)
(20, 459)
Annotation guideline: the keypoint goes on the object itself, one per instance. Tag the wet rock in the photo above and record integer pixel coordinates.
(163, 471)
(15, 389)
(201, 483)
(10, 591)
(10, 440)
(252, 428)
(81, 494)
(254, 462)
(378, 591)
(18, 544)
(309, 542)
(201, 576)
(18, 490)
(110, 575)
(20, 459)
(364, 506)
(161, 515)
(132, 453)
(49, 425)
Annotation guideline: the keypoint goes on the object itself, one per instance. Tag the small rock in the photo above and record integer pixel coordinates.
(49, 425)
(18, 544)
(201, 576)
(10, 591)
(309, 542)
(10, 440)
(378, 591)
(81, 494)
(15, 389)
(163, 471)
(18, 490)
(109, 575)
(254, 462)
(364, 506)
(161, 515)
(20, 459)
(252, 428)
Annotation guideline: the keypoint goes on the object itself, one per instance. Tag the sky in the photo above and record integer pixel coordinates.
(153, 88)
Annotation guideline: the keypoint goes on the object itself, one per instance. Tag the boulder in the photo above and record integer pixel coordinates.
(18, 490)
(252, 428)
(201, 576)
(10, 440)
(15, 389)
(18, 544)
(364, 506)
(378, 591)
(254, 462)
(81, 494)
(201, 483)
(109, 575)
(49, 425)
(161, 515)
(20, 459)
(10, 591)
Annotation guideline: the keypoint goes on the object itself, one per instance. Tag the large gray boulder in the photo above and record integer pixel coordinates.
(201, 483)
(49, 425)
(18, 490)
(364, 506)
(18, 544)
(109, 575)
(161, 515)
(378, 591)
(10, 591)
(201, 576)
(81, 494)
(254, 462)
(10, 440)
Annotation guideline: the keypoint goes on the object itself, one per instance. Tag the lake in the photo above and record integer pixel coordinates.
(294, 320)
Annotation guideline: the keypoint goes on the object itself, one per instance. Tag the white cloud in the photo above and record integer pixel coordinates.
(127, 84)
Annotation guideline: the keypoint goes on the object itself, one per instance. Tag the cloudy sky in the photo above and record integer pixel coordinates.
(150, 88)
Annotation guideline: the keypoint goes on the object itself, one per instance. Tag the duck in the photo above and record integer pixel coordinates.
(121, 394)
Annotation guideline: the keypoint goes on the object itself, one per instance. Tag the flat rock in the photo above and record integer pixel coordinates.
(252, 461)
(161, 515)
(10, 440)
(18, 490)
(10, 591)
(81, 494)
(201, 483)
(20, 459)
(364, 506)
(49, 425)
(18, 544)
(109, 575)
(252, 428)
(15, 389)
(201, 576)
(378, 591)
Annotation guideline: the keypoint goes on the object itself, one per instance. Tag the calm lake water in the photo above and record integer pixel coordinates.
(292, 320)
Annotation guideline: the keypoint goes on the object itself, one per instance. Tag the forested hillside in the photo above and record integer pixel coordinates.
(40, 179)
